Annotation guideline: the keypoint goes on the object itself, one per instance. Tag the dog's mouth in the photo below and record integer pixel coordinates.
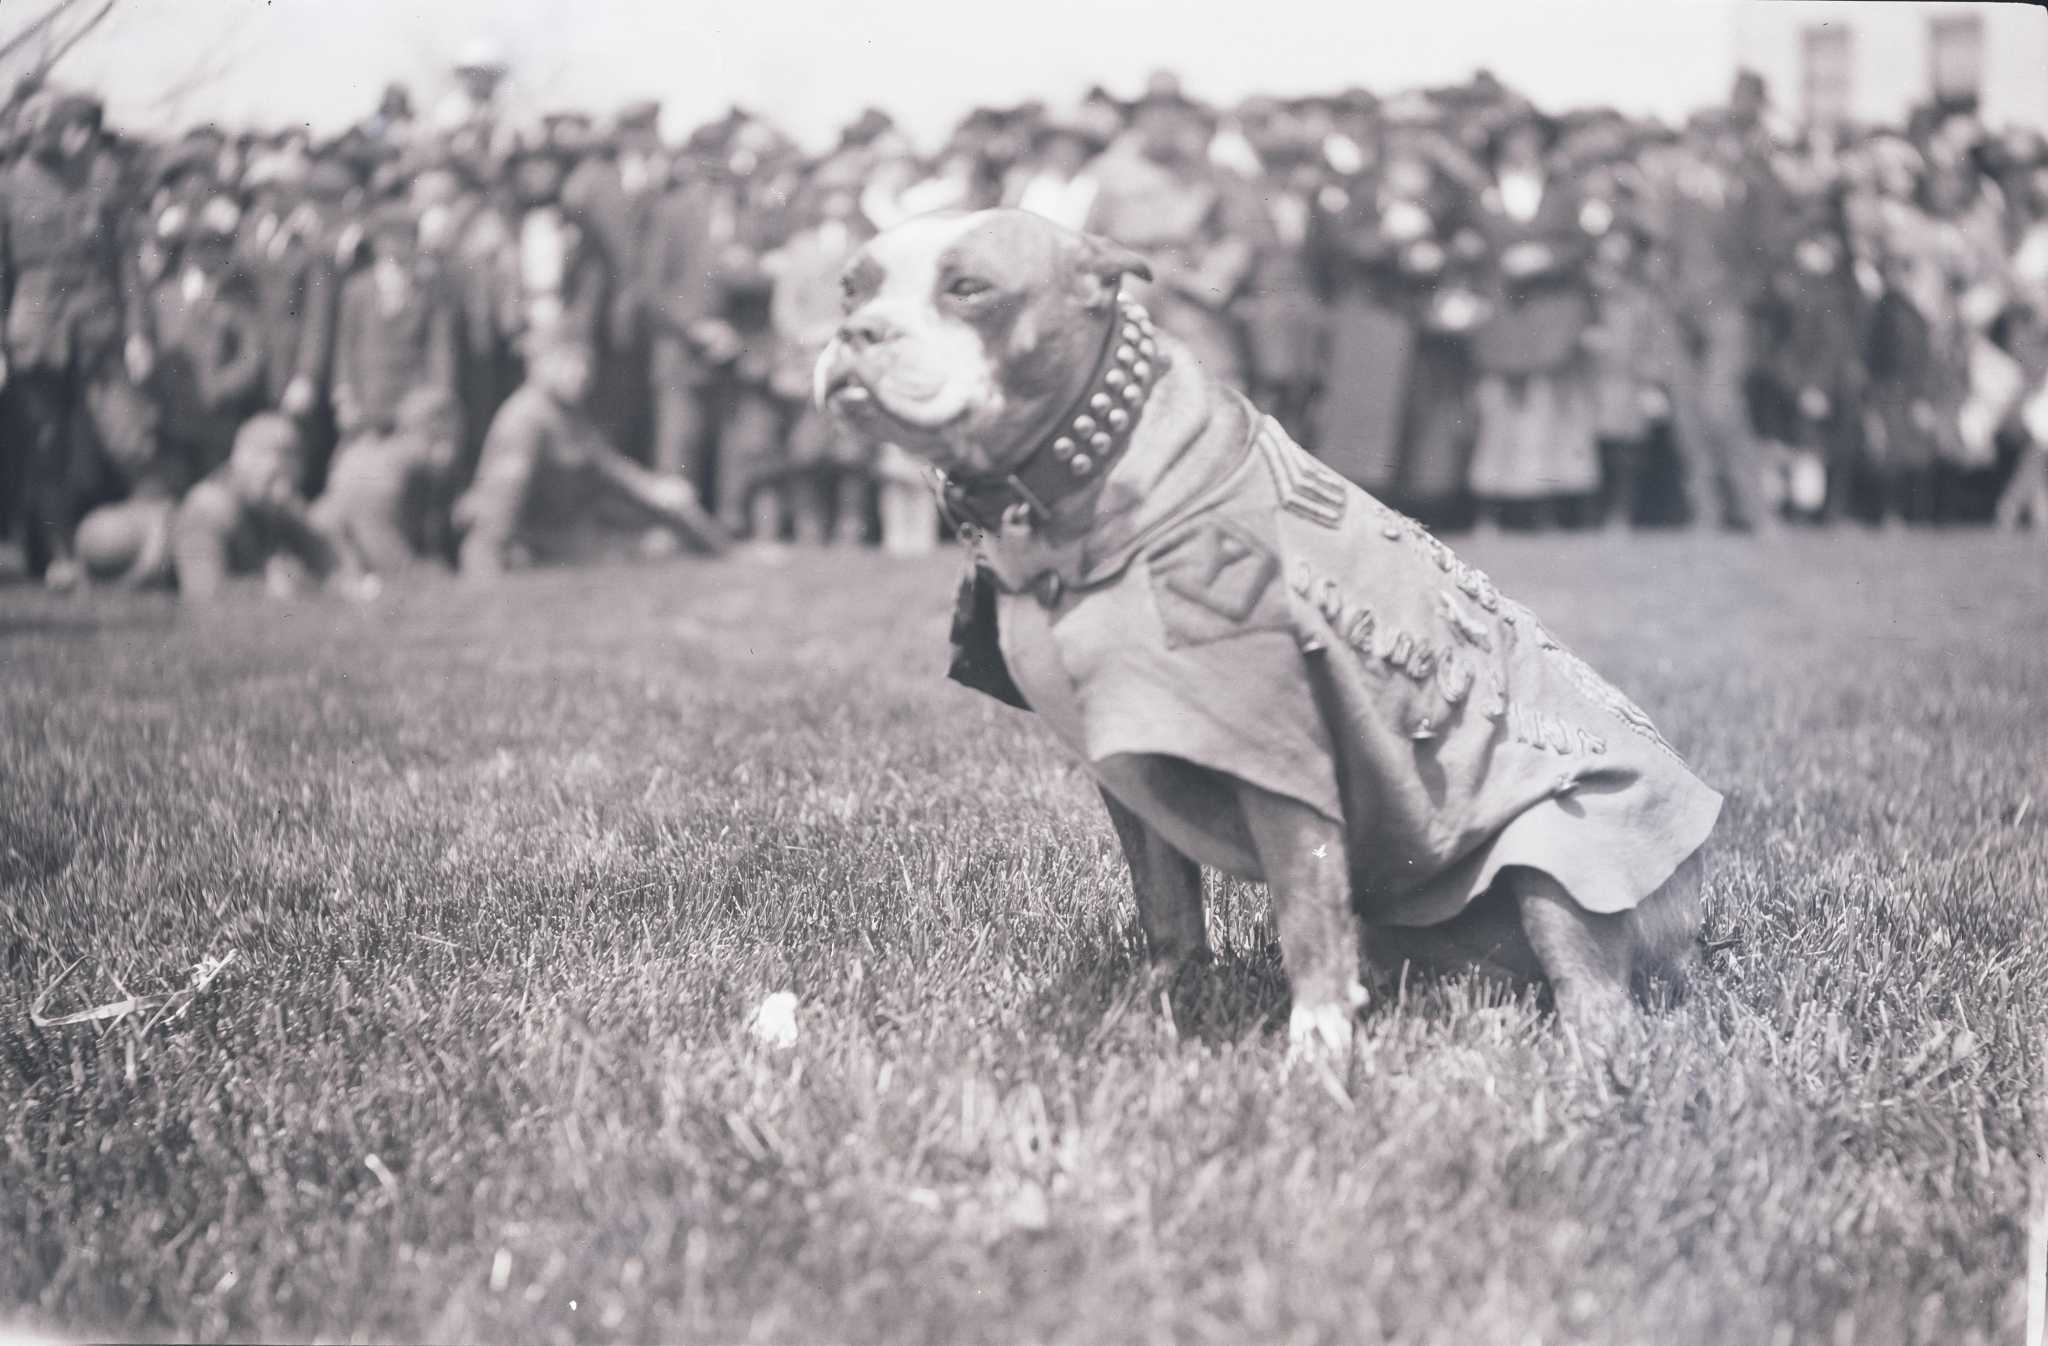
(845, 391)
(899, 407)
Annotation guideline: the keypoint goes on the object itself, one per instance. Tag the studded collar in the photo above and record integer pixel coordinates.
(1085, 442)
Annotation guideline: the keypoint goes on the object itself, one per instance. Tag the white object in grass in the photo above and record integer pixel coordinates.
(774, 1021)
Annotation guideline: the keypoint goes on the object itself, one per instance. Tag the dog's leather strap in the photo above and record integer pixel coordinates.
(1087, 440)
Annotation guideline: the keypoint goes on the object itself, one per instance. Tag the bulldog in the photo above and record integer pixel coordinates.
(1265, 670)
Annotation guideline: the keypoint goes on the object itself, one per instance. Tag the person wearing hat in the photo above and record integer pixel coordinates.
(247, 517)
(283, 241)
(617, 195)
(1161, 196)
(550, 488)
(210, 355)
(479, 71)
(384, 509)
(1537, 458)
(391, 126)
(1637, 356)
(467, 246)
(70, 320)
(396, 332)
(709, 295)
(562, 277)
(1281, 308)
(1393, 254)
(299, 271)
(695, 266)
(820, 480)
(1053, 179)
(1726, 218)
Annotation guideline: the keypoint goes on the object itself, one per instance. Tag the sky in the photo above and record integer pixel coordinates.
(812, 64)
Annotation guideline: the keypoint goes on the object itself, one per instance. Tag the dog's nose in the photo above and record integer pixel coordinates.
(867, 329)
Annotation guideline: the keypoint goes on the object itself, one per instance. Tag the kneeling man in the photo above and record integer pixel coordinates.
(548, 487)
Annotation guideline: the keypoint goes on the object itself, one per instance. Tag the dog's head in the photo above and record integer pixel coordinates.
(967, 335)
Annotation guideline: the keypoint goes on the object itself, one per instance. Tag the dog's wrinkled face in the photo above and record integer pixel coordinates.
(966, 334)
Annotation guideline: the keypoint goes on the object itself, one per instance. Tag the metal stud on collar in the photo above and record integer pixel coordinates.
(1123, 382)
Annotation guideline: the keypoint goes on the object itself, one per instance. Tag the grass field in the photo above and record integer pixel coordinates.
(503, 877)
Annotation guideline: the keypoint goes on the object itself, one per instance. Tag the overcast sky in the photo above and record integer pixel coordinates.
(813, 63)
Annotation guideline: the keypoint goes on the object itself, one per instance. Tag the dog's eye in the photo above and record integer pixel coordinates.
(968, 287)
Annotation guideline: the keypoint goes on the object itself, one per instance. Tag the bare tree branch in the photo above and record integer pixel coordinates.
(78, 35)
(29, 32)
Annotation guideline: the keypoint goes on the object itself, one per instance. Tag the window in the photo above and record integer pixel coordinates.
(1825, 68)
(1955, 59)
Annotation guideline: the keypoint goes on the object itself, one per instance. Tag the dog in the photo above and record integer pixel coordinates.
(1265, 670)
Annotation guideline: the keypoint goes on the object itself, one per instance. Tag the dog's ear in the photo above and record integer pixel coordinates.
(1103, 265)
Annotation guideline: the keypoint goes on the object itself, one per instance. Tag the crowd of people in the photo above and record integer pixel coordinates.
(447, 340)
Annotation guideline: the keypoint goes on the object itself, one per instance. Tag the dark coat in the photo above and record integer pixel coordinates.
(1281, 311)
(379, 357)
(298, 295)
(65, 292)
(1538, 318)
(210, 362)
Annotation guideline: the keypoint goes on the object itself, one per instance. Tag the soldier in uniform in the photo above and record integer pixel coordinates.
(210, 351)
(561, 270)
(691, 237)
(1538, 427)
(1161, 196)
(387, 500)
(823, 479)
(245, 517)
(70, 317)
(739, 338)
(1394, 252)
(548, 486)
(1284, 318)
(618, 194)
(396, 330)
(1725, 223)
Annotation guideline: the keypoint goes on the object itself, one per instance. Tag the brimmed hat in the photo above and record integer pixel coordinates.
(329, 181)
(1514, 116)
(642, 116)
(570, 130)
(184, 159)
(1163, 89)
(871, 125)
(481, 56)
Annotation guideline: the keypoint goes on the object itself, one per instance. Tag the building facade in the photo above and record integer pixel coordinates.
(1876, 62)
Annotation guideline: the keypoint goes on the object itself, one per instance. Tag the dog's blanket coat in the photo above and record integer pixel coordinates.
(1285, 628)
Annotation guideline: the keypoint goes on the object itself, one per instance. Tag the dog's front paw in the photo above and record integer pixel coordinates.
(1320, 1030)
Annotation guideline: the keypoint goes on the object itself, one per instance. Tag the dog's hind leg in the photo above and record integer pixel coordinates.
(1586, 956)
(1168, 888)
(1665, 930)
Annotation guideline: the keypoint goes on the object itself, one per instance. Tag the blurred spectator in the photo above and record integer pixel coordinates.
(247, 517)
(1452, 296)
(210, 358)
(66, 304)
(1537, 416)
(397, 330)
(386, 505)
(1193, 221)
(549, 489)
